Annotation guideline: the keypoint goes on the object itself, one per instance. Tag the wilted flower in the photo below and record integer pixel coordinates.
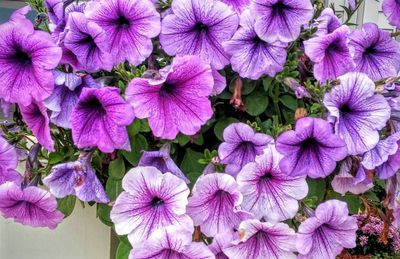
(311, 149)
(26, 62)
(391, 9)
(358, 112)
(241, 145)
(129, 26)
(151, 200)
(251, 56)
(36, 117)
(100, 118)
(88, 42)
(281, 20)
(352, 177)
(268, 192)
(330, 54)
(162, 161)
(375, 52)
(29, 206)
(215, 204)
(385, 157)
(262, 240)
(178, 102)
(198, 28)
(171, 242)
(328, 232)
(327, 22)
(76, 178)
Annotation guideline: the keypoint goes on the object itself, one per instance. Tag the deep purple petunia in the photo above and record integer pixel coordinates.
(358, 112)
(26, 60)
(391, 9)
(237, 5)
(268, 192)
(162, 161)
(328, 232)
(100, 118)
(241, 146)
(281, 20)
(311, 149)
(327, 22)
(220, 241)
(151, 200)
(88, 42)
(176, 103)
(385, 157)
(215, 204)
(129, 26)
(29, 206)
(171, 243)
(9, 175)
(219, 83)
(352, 177)
(263, 240)
(35, 116)
(66, 95)
(375, 52)
(198, 27)
(330, 54)
(55, 10)
(76, 178)
(252, 57)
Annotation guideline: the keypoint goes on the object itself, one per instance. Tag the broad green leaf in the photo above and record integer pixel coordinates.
(190, 162)
(134, 128)
(55, 158)
(256, 103)
(103, 212)
(113, 188)
(66, 205)
(316, 189)
(221, 125)
(116, 169)
(123, 251)
(289, 101)
(138, 145)
(183, 139)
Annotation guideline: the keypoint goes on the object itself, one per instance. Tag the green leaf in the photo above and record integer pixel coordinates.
(123, 251)
(316, 188)
(267, 83)
(221, 125)
(116, 169)
(103, 213)
(66, 205)
(134, 128)
(183, 139)
(289, 101)
(256, 103)
(354, 202)
(138, 145)
(144, 126)
(190, 162)
(199, 140)
(113, 188)
(55, 158)
(248, 87)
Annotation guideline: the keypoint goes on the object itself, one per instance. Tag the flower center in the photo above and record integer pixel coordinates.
(123, 22)
(247, 146)
(22, 57)
(95, 105)
(279, 8)
(369, 51)
(266, 177)
(156, 202)
(200, 27)
(309, 143)
(345, 109)
(333, 47)
(167, 89)
(257, 40)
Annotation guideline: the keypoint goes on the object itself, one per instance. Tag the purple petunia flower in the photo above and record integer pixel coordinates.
(176, 103)
(330, 54)
(100, 118)
(26, 60)
(391, 9)
(327, 22)
(328, 232)
(393, 192)
(219, 83)
(281, 20)
(151, 200)
(252, 57)
(299, 90)
(241, 146)
(358, 112)
(268, 192)
(29, 206)
(220, 241)
(55, 10)
(198, 28)
(237, 5)
(375, 52)
(88, 42)
(173, 243)
(35, 116)
(8, 163)
(129, 26)
(351, 178)
(311, 149)
(352, 5)
(76, 178)
(215, 204)
(66, 95)
(262, 240)
(385, 157)
(162, 161)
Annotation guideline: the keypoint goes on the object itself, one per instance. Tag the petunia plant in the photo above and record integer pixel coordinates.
(205, 128)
